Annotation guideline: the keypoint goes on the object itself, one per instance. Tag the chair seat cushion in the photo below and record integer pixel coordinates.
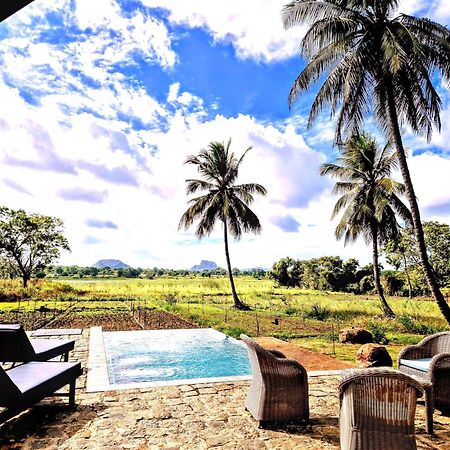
(46, 349)
(34, 374)
(418, 364)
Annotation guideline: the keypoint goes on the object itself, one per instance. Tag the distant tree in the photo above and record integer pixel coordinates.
(30, 241)
(370, 199)
(287, 272)
(370, 57)
(224, 200)
(403, 253)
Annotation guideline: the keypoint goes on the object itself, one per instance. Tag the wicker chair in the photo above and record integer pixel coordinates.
(377, 408)
(429, 360)
(279, 387)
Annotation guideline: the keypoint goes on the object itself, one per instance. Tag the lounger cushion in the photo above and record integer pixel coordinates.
(46, 349)
(36, 380)
(15, 346)
(418, 364)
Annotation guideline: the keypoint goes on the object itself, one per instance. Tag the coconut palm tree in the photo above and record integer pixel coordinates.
(370, 199)
(375, 59)
(224, 200)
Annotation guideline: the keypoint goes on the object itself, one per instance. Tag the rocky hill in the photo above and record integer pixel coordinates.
(112, 263)
(204, 265)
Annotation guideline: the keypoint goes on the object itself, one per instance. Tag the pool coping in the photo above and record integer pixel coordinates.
(98, 378)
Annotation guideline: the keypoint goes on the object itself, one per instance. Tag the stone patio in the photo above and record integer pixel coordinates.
(183, 417)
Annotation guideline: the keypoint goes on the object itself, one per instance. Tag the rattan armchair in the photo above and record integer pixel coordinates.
(429, 360)
(279, 388)
(377, 408)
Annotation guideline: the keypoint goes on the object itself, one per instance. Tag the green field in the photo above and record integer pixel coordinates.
(310, 318)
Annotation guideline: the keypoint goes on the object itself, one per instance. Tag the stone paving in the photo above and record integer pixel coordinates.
(206, 416)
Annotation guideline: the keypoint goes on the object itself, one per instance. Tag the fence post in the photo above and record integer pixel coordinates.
(333, 338)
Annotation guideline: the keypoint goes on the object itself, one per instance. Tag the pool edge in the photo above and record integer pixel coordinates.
(98, 377)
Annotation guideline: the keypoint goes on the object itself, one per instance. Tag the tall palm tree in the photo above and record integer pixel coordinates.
(375, 59)
(369, 199)
(224, 200)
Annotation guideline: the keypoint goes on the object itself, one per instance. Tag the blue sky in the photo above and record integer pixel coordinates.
(102, 102)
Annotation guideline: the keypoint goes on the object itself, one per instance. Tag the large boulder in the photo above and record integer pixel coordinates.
(373, 355)
(355, 336)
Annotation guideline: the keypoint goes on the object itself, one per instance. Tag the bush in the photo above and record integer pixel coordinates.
(378, 331)
(291, 311)
(317, 312)
(233, 331)
(416, 327)
(171, 298)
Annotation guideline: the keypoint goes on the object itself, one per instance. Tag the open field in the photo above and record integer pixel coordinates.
(309, 318)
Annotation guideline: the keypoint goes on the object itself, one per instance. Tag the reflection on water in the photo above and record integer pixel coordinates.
(163, 355)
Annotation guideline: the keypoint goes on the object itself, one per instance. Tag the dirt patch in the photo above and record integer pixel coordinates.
(122, 321)
(308, 359)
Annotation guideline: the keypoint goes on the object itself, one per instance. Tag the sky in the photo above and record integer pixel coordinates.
(102, 101)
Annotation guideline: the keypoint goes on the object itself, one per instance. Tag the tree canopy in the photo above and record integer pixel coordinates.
(29, 242)
(372, 59)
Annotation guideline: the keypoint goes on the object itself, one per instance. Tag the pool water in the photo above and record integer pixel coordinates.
(166, 355)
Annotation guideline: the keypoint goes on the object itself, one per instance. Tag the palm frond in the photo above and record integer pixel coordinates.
(224, 199)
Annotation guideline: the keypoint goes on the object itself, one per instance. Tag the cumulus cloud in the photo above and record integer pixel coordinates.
(253, 27)
(67, 113)
(117, 175)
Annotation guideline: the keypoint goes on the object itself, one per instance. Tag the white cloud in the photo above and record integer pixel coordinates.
(76, 141)
(253, 27)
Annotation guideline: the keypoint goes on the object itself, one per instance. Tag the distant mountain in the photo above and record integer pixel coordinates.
(113, 263)
(204, 265)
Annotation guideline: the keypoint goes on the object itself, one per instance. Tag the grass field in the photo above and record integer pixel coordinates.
(311, 318)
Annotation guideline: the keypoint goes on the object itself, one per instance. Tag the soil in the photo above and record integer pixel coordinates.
(122, 321)
(308, 359)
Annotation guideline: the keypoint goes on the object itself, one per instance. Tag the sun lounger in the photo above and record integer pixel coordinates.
(24, 385)
(15, 346)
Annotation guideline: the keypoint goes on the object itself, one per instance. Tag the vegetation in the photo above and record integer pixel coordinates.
(29, 242)
(308, 317)
(327, 273)
(403, 254)
(369, 200)
(224, 201)
(375, 60)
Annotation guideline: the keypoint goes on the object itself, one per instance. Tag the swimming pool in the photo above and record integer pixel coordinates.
(173, 357)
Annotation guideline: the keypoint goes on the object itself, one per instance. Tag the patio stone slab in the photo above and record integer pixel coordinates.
(187, 417)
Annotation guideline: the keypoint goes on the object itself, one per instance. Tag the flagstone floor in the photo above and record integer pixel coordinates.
(206, 416)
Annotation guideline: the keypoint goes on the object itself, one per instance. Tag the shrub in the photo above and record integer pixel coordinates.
(291, 311)
(234, 331)
(378, 331)
(416, 327)
(317, 312)
(171, 298)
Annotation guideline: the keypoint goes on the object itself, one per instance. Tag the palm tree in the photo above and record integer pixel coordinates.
(375, 59)
(369, 200)
(224, 200)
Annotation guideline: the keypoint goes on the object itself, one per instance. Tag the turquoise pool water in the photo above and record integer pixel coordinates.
(168, 355)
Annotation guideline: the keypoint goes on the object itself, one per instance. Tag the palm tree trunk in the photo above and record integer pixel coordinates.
(237, 303)
(411, 196)
(387, 311)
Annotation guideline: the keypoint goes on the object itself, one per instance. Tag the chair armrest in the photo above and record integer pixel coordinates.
(277, 353)
(439, 361)
(413, 352)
